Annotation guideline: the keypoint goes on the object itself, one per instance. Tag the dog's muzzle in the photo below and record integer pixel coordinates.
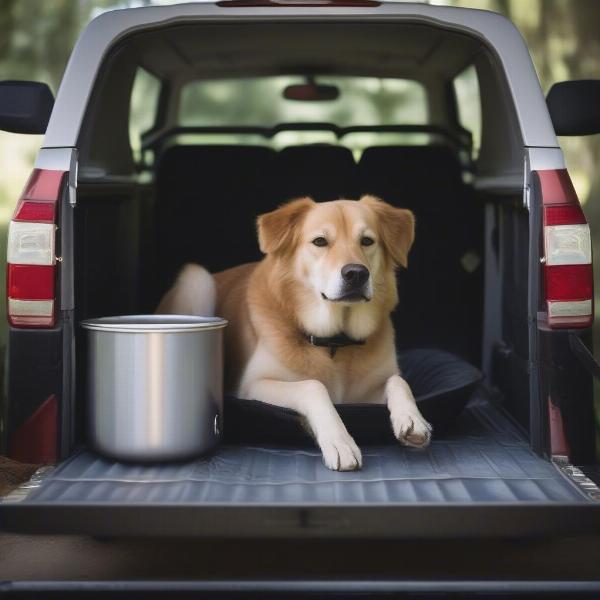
(354, 288)
(355, 278)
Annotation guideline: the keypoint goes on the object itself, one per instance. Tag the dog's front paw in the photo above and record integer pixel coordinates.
(340, 452)
(411, 429)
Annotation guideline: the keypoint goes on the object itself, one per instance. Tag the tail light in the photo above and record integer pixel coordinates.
(31, 256)
(568, 277)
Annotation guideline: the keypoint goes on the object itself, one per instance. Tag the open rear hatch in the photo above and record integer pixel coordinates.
(479, 479)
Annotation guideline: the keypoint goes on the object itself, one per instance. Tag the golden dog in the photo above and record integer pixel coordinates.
(310, 324)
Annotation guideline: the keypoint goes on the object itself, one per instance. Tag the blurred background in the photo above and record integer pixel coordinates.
(36, 39)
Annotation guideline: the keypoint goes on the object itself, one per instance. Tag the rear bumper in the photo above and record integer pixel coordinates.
(313, 589)
(301, 522)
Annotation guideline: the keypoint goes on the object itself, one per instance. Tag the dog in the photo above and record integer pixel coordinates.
(309, 325)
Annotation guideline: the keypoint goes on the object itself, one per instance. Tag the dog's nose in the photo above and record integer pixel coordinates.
(355, 275)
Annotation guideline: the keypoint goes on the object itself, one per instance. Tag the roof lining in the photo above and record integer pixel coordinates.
(378, 49)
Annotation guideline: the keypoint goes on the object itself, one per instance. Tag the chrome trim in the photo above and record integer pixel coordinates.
(22, 491)
(543, 159)
(73, 174)
(154, 324)
(55, 159)
(575, 475)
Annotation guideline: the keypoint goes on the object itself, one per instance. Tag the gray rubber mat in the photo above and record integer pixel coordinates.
(483, 459)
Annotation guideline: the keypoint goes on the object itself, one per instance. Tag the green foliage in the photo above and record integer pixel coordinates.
(36, 37)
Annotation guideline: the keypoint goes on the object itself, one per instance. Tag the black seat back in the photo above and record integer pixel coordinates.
(320, 171)
(208, 200)
(441, 292)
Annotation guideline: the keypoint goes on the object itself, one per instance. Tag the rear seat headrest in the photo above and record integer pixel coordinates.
(209, 193)
(322, 171)
(312, 152)
(186, 160)
(413, 161)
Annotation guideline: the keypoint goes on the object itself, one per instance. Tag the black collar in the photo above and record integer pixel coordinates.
(333, 342)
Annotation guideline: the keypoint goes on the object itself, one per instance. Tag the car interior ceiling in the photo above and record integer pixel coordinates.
(409, 50)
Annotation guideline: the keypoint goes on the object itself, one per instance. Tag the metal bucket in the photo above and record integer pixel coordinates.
(155, 385)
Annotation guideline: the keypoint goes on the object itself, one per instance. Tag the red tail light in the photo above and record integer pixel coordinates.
(31, 271)
(568, 277)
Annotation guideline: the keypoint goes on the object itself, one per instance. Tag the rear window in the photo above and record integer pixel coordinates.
(468, 99)
(143, 108)
(260, 102)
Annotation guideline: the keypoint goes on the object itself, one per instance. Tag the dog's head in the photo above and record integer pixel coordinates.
(342, 252)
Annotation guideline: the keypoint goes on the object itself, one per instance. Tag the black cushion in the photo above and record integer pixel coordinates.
(441, 383)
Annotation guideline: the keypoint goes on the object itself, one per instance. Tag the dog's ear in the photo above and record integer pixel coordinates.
(278, 229)
(396, 227)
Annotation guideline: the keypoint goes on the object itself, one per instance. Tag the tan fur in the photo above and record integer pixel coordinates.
(263, 303)
(272, 304)
(393, 221)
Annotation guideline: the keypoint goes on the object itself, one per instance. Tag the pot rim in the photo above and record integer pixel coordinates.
(154, 323)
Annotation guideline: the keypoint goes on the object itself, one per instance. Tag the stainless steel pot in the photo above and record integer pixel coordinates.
(155, 385)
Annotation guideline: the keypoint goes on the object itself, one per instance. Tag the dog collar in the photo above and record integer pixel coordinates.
(333, 342)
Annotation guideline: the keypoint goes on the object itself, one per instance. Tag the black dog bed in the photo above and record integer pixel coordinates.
(441, 383)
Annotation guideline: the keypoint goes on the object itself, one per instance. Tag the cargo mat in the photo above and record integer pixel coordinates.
(478, 479)
(483, 458)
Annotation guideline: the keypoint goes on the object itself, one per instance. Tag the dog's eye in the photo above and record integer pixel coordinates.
(320, 241)
(366, 241)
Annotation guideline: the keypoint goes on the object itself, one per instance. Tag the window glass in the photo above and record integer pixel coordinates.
(143, 108)
(468, 99)
(260, 101)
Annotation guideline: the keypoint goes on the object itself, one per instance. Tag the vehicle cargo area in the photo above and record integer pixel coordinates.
(190, 191)
(483, 458)
(482, 468)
